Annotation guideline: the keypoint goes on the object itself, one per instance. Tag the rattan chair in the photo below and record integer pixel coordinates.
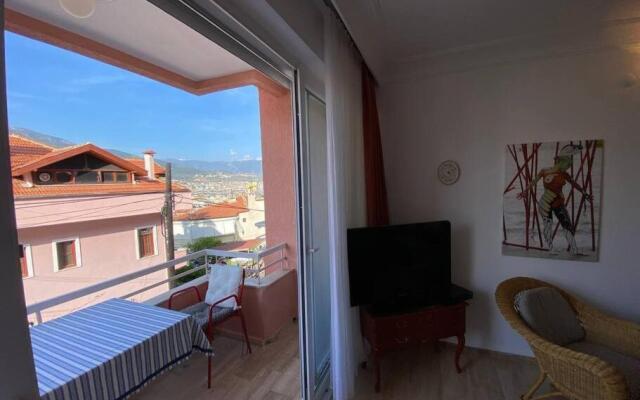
(572, 374)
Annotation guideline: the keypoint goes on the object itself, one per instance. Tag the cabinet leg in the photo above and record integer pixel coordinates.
(459, 349)
(376, 365)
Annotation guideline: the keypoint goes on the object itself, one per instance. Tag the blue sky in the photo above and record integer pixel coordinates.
(60, 93)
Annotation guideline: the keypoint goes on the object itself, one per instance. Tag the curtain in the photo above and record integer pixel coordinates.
(345, 165)
(376, 191)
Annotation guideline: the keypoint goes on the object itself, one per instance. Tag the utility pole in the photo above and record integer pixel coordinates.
(168, 223)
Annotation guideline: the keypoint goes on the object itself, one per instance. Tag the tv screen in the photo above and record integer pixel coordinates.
(400, 266)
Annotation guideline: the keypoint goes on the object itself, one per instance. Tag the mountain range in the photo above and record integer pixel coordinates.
(180, 168)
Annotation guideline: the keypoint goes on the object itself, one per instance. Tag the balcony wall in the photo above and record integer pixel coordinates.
(278, 167)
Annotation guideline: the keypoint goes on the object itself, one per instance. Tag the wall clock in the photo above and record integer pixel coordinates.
(449, 172)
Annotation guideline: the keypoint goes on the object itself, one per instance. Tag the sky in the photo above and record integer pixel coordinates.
(60, 93)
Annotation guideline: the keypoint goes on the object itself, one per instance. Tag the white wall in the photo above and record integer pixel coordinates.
(469, 116)
(185, 232)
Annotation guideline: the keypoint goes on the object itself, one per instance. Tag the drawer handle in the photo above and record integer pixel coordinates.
(402, 340)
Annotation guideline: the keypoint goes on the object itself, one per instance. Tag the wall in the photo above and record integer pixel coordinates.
(469, 116)
(278, 168)
(107, 249)
(186, 231)
(51, 211)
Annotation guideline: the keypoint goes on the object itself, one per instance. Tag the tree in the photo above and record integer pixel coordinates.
(203, 243)
(207, 242)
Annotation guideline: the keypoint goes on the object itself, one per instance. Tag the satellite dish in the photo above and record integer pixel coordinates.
(78, 8)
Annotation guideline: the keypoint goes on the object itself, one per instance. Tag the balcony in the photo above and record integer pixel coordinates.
(269, 305)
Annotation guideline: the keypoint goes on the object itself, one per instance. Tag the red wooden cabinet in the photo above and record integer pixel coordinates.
(386, 333)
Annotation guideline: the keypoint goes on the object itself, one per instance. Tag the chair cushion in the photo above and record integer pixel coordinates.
(627, 365)
(199, 312)
(224, 280)
(549, 315)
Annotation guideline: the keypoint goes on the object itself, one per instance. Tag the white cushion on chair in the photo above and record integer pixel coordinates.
(224, 281)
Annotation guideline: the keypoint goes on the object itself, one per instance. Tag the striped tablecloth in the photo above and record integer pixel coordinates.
(111, 349)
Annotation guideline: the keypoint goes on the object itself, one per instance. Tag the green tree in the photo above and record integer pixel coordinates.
(203, 243)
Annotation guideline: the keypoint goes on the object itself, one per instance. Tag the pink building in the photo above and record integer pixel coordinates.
(85, 215)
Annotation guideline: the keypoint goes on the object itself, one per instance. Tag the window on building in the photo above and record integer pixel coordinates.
(146, 242)
(63, 177)
(25, 260)
(115, 177)
(87, 177)
(66, 254)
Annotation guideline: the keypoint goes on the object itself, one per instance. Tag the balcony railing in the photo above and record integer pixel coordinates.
(257, 264)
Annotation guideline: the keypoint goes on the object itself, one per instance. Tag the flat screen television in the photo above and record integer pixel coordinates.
(400, 267)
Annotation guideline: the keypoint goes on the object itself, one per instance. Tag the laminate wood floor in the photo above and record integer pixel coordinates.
(427, 373)
(271, 372)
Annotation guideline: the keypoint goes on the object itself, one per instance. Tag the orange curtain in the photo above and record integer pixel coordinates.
(376, 190)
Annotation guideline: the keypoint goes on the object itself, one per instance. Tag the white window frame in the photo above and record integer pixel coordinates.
(26, 248)
(137, 241)
(54, 249)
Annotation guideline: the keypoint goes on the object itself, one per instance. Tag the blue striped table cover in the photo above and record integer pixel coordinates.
(111, 350)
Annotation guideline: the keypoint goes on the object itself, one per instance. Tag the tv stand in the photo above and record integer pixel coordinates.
(394, 331)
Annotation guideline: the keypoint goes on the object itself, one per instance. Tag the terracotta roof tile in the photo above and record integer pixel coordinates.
(159, 169)
(23, 150)
(26, 151)
(20, 191)
(243, 245)
(214, 211)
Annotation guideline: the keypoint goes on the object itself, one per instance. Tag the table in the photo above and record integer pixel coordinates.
(111, 350)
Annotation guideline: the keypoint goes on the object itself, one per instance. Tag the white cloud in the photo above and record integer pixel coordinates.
(233, 153)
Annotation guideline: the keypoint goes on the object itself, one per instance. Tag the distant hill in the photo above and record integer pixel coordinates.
(180, 168)
(237, 167)
(43, 138)
(123, 154)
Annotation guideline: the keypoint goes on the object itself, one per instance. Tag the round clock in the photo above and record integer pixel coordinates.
(449, 172)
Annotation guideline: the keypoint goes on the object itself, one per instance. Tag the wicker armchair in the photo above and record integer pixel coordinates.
(574, 375)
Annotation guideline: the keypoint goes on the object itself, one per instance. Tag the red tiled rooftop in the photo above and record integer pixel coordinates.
(215, 211)
(23, 150)
(159, 169)
(27, 154)
(22, 192)
(242, 245)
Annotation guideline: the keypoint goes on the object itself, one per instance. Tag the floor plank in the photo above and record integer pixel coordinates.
(271, 372)
(429, 373)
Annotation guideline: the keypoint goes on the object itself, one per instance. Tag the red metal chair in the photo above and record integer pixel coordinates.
(208, 316)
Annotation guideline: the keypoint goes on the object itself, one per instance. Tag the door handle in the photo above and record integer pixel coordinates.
(313, 250)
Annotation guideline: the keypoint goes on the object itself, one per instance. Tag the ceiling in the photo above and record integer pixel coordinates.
(142, 30)
(389, 31)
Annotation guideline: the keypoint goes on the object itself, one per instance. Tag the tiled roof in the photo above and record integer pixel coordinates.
(21, 192)
(26, 153)
(243, 245)
(214, 211)
(23, 150)
(159, 169)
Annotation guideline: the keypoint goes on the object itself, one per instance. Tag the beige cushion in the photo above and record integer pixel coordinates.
(627, 365)
(549, 315)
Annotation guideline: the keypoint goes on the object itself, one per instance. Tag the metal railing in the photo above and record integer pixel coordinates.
(257, 264)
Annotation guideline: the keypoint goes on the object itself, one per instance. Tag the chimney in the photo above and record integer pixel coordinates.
(149, 164)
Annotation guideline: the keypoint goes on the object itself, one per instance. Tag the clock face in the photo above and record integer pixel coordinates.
(449, 172)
